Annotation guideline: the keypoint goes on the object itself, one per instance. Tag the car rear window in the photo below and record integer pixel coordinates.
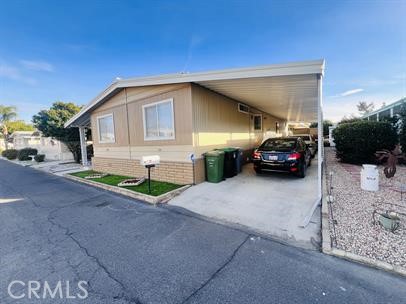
(285, 144)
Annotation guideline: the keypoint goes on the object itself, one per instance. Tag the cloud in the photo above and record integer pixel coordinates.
(194, 42)
(351, 92)
(336, 108)
(13, 73)
(37, 65)
(9, 72)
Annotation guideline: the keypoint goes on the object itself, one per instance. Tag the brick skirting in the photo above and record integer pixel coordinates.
(173, 172)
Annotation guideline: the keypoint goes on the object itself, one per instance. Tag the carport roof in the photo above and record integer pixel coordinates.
(288, 91)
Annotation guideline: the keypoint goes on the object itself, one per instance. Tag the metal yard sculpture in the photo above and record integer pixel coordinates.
(391, 159)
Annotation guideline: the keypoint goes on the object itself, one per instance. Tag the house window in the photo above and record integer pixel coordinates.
(158, 120)
(105, 125)
(258, 122)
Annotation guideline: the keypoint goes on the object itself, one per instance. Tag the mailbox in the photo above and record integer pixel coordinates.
(150, 160)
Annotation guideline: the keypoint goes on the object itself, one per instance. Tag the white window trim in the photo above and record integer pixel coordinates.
(98, 129)
(146, 138)
(260, 115)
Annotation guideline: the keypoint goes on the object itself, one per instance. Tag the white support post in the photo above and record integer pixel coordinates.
(320, 156)
(391, 112)
(83, 149)
(320, 152)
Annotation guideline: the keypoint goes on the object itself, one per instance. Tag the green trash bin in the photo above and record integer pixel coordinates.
(214, 166)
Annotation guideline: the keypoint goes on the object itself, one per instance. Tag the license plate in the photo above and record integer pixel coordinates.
(273, 157)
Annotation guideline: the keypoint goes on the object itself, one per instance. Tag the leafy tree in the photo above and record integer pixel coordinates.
(349, 119)
(365, 108)
(19, 125)
(7, 113)
(51, 123)
(326, 125)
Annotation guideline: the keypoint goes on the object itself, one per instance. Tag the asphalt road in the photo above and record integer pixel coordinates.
(53, 229)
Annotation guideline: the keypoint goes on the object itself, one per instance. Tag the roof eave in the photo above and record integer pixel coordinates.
(294, 68)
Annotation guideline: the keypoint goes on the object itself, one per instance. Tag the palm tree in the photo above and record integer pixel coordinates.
(7, 113)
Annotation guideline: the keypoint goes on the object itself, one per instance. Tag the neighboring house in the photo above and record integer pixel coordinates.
(180, 117)
(386, 111)
(52, 148)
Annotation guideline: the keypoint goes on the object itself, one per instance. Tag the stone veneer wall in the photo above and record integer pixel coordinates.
(168, 171)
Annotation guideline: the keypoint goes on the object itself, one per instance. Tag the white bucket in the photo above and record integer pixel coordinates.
(369, 178)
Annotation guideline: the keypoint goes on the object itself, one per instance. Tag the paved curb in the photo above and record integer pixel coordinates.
(139, 196)
(328, 248)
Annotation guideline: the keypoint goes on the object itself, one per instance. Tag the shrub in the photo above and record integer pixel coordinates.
(402, 129)
(10, 154)
(39, 158)
(357, 142)
(24, 154)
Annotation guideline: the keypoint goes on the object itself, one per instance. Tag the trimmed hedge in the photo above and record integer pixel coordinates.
(24, 154)
(357, 142)
(10, 154)
(39, 158)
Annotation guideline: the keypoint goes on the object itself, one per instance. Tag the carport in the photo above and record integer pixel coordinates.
(289, 91)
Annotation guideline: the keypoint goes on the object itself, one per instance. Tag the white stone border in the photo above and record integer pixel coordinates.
(163, 198)
(327, 245)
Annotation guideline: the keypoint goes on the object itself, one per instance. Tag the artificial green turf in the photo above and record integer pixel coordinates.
(157, 188)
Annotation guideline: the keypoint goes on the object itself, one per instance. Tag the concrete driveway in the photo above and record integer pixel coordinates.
(275, 203)
(53, 229)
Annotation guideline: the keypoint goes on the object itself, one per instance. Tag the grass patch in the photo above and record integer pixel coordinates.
(157, 188)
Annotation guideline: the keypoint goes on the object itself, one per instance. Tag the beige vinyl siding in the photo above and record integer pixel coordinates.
(182, 107)
(133, 145)
(179, 153)
(117, 100)
(120, 126)
(218, 123)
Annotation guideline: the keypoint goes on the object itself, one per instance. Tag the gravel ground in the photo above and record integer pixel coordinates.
(351, 221)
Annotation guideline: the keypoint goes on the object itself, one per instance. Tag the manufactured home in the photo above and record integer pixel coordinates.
(181, 116)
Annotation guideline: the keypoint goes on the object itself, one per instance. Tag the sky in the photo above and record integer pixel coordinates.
(71, 50)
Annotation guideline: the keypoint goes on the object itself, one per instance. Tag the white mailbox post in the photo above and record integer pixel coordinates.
(150, 162)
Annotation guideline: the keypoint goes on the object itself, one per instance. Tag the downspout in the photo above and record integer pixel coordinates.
(128, 122)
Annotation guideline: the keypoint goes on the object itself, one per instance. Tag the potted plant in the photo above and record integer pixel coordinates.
(389, 220)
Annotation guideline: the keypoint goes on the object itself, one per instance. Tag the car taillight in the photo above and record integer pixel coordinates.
(294, 156)
(256, 155)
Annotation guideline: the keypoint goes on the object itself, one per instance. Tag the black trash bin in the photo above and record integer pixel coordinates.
(239, 160)
(230, 156)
